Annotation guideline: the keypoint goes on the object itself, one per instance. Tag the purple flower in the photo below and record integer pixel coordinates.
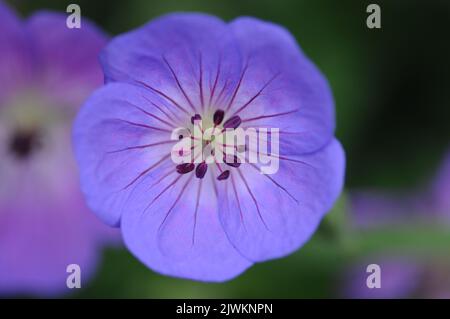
(399, 278)
(372, 208)
(402, 276)
(440, 189)
(46, 70)
(196, 220)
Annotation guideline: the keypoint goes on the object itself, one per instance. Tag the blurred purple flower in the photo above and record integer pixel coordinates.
(372, 208)
(46, 71)
(399, 279)
(402, 276)
(440, 189)
(212, 222)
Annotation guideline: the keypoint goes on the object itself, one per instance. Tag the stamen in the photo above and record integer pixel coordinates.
(223, 175)
(232, 122)
(201, 169)
(218, 117)
(185, 168)
(234, 162)
(196, 117)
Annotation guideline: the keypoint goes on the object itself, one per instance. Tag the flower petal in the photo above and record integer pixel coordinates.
(120, 137)
(193, 58)
(40, 237)
(282, 88)
(46, 228)
(276, 214)
(172, 235)
(15, 60)
(66, 58)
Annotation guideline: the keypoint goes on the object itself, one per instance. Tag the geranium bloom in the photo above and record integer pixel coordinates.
(46, 71)
(208, 221)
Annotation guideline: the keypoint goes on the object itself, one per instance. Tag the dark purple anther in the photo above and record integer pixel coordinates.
(232, 122)
(185, 168)
(196, 117)
(218, 117)
(223, 175)
(232, 161)
(201, 169)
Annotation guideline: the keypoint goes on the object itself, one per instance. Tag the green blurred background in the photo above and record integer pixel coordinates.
(392, 93)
